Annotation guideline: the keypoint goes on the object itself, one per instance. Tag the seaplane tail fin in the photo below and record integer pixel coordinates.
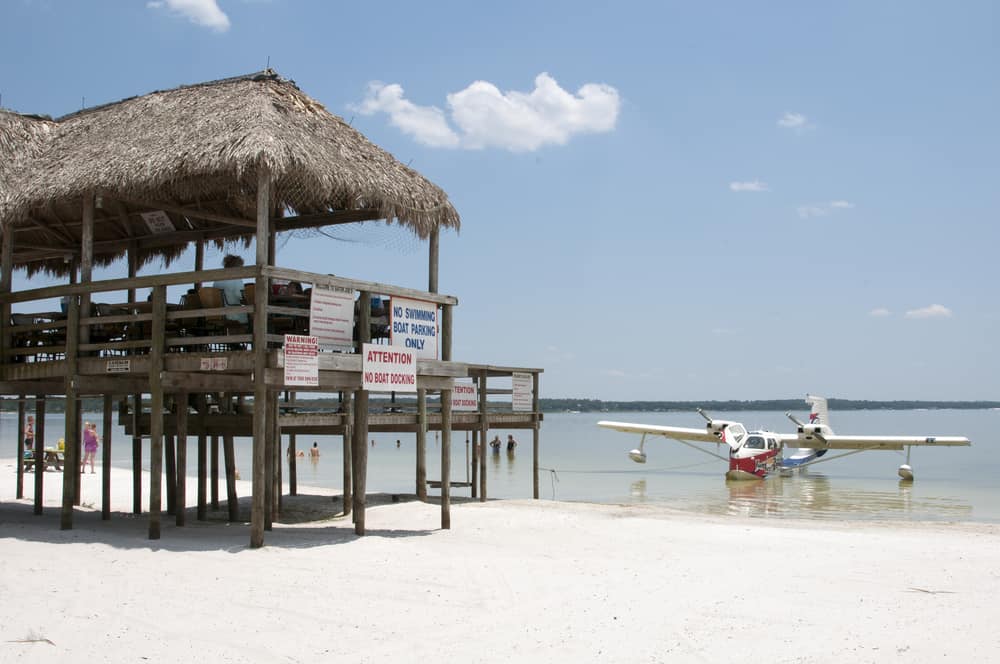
(819, 414)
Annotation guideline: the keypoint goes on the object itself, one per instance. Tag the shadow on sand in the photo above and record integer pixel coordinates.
(306, 521)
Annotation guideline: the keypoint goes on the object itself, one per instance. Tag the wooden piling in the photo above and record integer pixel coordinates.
(202, 475)
(180, 491)
(484, 432)
(19, 493)
(39, 452)
(106, 427)
(421, 444)
(260, 480)
(215, 472)
(445, 459)
(229, 454)
(170, 463)
(347, 407)
(156, 409)
(136, 454)
(71, 462)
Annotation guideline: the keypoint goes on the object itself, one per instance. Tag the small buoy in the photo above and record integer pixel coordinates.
(906, 472)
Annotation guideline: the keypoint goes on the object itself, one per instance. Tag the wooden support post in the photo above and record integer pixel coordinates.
(293, 487)
(136, 454)
(268, 460)
(199, 260)
(156, 409)
(433, 244)
(86, 260)
(474, 462)
(229, 454)
(445, 459)
(360, 455)
(360, 459)
(348, 409)
(202, 475)
(6, 283)
(260, 479)
(277, 450)
(534, 432)
(106, 428)
(215, 472)
(170, 462)
(78, 480)
(421, 444)
(484, 425)
(180, 492)
(40, 451)
(19, 493)
(71, 463)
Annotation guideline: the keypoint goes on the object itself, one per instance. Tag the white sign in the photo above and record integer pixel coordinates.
(388, 369)
(214, 363)
(415, 326)
(521, 400)
(465, 396)
(331, 316)
(301, 360)
(118, 366)
(158, 222)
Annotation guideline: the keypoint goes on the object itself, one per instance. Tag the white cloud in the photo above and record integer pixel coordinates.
(752, 185)
(205, 13)
(932, 311)
(427, 124)
(822, 209)
(482, 116)
(795, 121)
(879, 312)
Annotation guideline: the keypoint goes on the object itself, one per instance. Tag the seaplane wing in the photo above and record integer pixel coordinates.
(705, 435)
(838, 442)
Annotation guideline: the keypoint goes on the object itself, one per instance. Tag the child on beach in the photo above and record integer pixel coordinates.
(90, 442)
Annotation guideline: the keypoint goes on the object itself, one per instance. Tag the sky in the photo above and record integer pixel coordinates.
(662, 200)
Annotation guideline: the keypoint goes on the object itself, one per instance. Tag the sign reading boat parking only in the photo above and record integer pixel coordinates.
(388, 369)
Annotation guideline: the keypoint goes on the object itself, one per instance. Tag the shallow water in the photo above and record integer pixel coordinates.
(583, 462)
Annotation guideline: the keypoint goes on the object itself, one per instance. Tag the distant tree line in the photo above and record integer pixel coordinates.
(57, 405)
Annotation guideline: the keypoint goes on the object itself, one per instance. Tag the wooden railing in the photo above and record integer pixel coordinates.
(126, 328)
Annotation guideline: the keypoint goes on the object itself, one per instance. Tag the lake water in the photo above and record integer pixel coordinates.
(583, 462)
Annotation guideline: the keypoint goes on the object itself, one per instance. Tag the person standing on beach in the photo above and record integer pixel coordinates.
(90, 442)
(29, 435)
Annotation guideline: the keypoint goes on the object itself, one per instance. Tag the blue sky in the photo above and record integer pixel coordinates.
(659, 200)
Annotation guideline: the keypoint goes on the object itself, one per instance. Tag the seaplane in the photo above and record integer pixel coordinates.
(755, 455)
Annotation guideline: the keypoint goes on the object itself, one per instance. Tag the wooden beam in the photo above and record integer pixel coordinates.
(136, 454)
(433, 244)
(348, 407)
(484, 432)
(421, 444)
(188, 212)
(282, 224)
(19, 493)
(180, 494)
(445, 459)
(71, 462)
(357, 284)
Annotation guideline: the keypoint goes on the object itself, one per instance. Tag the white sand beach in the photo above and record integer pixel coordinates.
(511, 581)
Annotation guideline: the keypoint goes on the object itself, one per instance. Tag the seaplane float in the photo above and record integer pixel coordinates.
(754, 455)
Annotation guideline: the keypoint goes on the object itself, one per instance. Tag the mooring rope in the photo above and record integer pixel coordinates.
(554, 472)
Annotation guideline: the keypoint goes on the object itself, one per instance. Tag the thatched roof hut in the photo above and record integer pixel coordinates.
(180, 165)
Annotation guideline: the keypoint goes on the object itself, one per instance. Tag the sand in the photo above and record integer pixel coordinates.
(511, 581)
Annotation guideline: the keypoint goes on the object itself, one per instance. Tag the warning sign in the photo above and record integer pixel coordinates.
(465, 396)
(301, 360)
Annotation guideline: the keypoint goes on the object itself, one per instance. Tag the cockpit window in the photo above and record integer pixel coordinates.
(754, 443)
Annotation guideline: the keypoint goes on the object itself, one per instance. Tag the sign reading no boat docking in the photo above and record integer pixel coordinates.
(388, 369)
(465, 396)
(118, 366)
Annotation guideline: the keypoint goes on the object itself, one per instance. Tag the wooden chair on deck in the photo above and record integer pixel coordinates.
(220, 324)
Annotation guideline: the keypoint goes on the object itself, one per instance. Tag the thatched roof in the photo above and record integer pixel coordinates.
(194, 153)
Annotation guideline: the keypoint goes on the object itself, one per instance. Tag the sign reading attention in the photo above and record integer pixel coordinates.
(465, 396)
(388, 369)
